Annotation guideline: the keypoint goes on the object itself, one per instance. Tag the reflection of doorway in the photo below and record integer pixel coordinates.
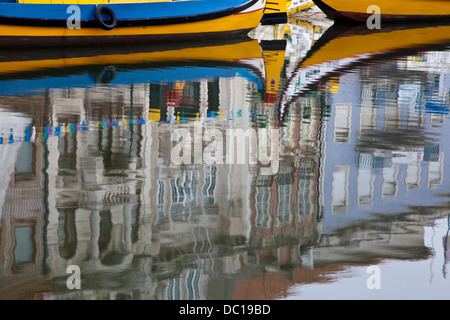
(67, 233)
(105, 230)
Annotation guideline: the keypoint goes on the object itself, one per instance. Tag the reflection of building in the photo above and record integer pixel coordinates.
(116, 201)
(23, 208)
(385, 143)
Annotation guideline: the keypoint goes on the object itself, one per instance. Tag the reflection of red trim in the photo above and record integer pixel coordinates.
(362, 16)
(270, 98)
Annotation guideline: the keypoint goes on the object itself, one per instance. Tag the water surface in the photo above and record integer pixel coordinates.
(361, 177)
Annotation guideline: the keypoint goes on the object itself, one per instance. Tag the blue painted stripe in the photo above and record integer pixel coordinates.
(123, 11)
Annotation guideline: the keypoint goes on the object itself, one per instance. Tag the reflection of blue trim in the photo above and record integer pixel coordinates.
(163, 75)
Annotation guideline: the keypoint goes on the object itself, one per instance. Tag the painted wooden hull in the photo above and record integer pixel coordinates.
(343, 47)
(390, 10)
(30, 24)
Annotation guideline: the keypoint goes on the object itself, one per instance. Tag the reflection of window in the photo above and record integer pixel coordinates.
(67, 149)
(339, 185)
(24, 250)
(192, 188)
(160, 203)
(193, 285)
(213, 95)
(391, 117)
(368, 116)
(389, 181)
(304, 188)
(365, 179)
(210, 186)
(262, 207)
(178, 198)
(413, 176)
(177, 191)
(25, 162)
(342, 123)
(284, 203)
(174, 289)
(67, 233)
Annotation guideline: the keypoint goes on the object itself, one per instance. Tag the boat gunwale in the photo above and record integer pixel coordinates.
(132, 22)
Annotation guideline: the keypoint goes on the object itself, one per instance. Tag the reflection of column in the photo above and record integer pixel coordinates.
(339, 189)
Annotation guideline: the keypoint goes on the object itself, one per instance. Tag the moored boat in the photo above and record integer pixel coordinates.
(388, 10)
(44, 22)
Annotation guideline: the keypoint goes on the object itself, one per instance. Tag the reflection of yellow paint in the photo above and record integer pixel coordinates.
(288, 3)
(285, 31)
(274, 62)
(154, 115)
(244, 50)
(334, 85)
(351, 46)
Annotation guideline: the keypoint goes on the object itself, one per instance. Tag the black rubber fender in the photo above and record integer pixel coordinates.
(105, 24)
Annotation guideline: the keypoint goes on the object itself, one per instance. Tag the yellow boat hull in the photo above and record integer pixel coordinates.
(236, 24)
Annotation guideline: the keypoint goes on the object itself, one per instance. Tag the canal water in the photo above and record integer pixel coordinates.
(305, 161)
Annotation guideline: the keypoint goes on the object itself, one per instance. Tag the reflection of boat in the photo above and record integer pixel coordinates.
(343, 46)
(26, 72)
(388, 10)
(37, 23)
